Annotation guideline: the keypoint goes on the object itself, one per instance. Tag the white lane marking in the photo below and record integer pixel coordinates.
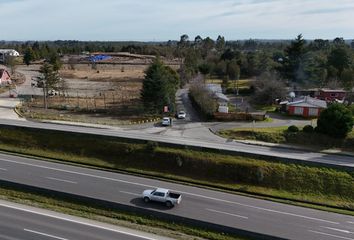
(130, 193)
(230, 214)
(192, 194)
(3, 169)
(61, 180)
(44, 234)
(75, 221)
(78, 173)
(260, 208)
(338, 230)
(350, 222)
(331, 235)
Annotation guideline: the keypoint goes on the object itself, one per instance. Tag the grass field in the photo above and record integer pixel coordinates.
(242, 83)
(280, 135)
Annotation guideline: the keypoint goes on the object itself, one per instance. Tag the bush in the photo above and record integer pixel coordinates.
(335, 121)
(293, 128)
(308, 129)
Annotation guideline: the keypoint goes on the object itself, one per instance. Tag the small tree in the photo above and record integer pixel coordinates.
(267, 88)
(335, 121)
(49, 80)
(29, 56)
(11, 63)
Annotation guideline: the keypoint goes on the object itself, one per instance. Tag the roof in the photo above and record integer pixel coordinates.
(164, 190)
(11, 52)
(216, 90)
(2, 72)
(333, 90)
(309, 102)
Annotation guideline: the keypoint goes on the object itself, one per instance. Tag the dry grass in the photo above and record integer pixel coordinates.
(105, 72)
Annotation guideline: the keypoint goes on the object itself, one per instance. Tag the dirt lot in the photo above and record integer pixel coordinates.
(109, 92)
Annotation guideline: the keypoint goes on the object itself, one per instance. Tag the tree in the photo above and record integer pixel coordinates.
(29, 56)
(233, 73)
(220, 43)
(293, 68)
(184, 40)
(54, 60)
(198, 40)
(268, 87)
(159, 87)
(204, 69)
(340, 59)
(203, 99)
(49, 80)
(347, 79)
(11, 63)
(335, 121)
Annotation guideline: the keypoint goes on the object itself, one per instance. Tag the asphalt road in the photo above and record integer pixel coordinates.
(20, 222)
(275, 219)
(216, 143)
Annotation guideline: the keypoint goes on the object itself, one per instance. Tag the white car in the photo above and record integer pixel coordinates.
(166, 121)
(181, 115)
(52, 93)
(162, 195)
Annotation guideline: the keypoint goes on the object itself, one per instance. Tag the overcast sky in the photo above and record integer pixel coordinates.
(155, 20)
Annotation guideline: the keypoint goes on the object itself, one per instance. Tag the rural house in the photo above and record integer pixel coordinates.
(5, 78)
(306, 107)
(330, 95)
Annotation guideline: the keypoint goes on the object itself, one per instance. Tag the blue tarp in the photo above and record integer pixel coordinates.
(99, 58)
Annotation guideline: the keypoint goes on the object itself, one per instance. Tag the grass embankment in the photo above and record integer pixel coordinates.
(317, 185)
(281, 135)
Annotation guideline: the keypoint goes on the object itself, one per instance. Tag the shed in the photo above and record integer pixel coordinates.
(306, 107)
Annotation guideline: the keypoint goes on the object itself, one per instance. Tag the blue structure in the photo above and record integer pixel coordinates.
(98, 58)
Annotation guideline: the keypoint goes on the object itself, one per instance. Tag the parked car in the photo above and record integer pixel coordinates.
(181, 115)
(162, 195)
(166, 121)
(53, 92)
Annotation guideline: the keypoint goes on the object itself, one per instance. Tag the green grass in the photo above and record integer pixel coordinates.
(265, 108)
(112, 216)
(242, 83)
(280, 135)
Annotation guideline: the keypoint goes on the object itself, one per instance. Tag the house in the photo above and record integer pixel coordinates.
(306, 107)
(330, 95)
(8, 52)
(5, 78)
(216, 91)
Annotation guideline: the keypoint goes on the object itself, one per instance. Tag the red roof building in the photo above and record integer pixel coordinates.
(330, 95)
(5, 78)
(306, 107)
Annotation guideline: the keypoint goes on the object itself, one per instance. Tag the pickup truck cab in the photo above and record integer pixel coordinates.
(162, 195)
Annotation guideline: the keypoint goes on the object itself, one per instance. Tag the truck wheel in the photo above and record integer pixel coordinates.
(168, 204)
(146, 199)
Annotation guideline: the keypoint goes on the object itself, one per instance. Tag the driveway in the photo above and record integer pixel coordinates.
(7, 106)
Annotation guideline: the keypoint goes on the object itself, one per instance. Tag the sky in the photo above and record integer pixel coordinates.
(162, 20)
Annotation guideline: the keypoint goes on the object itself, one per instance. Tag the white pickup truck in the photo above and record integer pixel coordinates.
(162, 195)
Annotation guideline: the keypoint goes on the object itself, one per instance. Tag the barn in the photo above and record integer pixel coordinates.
(306, 107)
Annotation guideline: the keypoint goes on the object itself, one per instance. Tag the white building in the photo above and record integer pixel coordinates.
(8, 52)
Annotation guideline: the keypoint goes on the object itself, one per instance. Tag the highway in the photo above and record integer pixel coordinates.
(240, 212)
(20, 222)
(216, 143)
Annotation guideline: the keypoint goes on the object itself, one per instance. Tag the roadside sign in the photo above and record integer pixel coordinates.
(165, 109)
